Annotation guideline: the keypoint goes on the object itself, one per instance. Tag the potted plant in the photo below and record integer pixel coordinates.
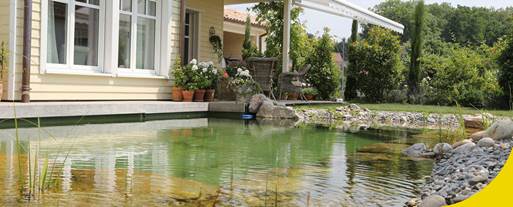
(3, 66)
(243, 85)
(310, 93)
(201, 77)
(179, 81)
(293, 96)
(188, 92)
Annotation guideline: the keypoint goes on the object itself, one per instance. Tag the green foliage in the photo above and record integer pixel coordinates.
(196, 75)
(324, 74)
(505, 60)
(416, 52)
(248, 47)
(464, 25)
(178, 73)
(462, 75)
(4, 60)
(271, 13)
(354, 31)
(310, 91)
(375, 63)
(217, 46)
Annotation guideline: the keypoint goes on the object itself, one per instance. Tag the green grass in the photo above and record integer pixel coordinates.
(416, 108)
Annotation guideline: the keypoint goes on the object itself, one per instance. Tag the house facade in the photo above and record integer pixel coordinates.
(234, 29)
(105, 49)
(121, 49)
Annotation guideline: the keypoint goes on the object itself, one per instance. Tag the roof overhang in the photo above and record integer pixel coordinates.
(344, 8)
(340, 8)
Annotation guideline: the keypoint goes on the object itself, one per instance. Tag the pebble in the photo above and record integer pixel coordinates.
(466, 170)
(433, 201)
(486, 142)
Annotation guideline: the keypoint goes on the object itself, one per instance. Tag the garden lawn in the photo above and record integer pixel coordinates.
(416, 108)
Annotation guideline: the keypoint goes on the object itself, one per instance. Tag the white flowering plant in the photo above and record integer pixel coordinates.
(201, 75)
(241, 77)
(242, 83)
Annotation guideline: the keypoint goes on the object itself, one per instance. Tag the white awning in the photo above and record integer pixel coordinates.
(344, 8)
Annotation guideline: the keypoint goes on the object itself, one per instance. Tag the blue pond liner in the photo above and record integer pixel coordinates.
(248, 116)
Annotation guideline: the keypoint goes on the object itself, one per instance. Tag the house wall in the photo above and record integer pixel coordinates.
(233, 44)
(4, 37)
(46, 86)
(211, 14)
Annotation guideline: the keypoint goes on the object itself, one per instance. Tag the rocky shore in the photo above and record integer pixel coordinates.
(353, 115)
(463, 168)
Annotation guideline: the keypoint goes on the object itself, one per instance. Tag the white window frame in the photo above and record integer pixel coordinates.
(108, 45)
(134, 15)
(69, 66)
(195, 38)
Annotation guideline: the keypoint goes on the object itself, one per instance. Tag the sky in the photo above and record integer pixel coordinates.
(341, 27)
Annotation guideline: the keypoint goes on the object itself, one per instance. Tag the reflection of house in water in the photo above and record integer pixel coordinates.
(80, 154)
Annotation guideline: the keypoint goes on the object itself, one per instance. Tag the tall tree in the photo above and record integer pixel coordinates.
(350, 85)
(248, 47)
(416, 52)
(354, 31)
(271, 13)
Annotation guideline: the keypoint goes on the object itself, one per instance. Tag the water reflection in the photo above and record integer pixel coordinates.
(207, 161)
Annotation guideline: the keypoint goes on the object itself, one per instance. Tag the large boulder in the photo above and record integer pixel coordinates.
(433, 201)
(486, 142)
(462, 142)
(442, 148)
(479, 135)
(256, 101)
(502, 129)
(465, 148)
(271, 111)
(416, 150)
(473, 122)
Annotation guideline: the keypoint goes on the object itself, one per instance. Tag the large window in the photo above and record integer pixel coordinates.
(191, 36)
(137, 34)
(73, 32)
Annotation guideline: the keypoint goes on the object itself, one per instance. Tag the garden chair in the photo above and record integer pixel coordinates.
(293, 82)
(262, 70)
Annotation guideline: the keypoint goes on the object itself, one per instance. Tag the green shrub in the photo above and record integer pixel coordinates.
(375, 63)
(178, 74)
(310, 91)
(324, 74)
(505, 61)
(249, 48)
(4, 55)
(463, 76)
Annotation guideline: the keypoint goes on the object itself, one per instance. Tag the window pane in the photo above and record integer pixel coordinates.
(124, 41)
(126, 5)
(56, 51)
(83, 1)
(94, 2)
(141, 6)
(86, 36)
(145, 43)
(152, 8)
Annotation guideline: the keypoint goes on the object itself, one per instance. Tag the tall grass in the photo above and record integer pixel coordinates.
(39, 177)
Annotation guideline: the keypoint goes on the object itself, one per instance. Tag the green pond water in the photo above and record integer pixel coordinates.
(207, 162)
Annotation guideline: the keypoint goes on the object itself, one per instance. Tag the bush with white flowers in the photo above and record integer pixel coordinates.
(243, 85)
(200, 75)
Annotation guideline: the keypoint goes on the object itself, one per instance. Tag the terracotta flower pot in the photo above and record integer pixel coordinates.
(310, 97)
(293, 96)
(199, 95)
(176, 94)
(187, 95)
(209, 95)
